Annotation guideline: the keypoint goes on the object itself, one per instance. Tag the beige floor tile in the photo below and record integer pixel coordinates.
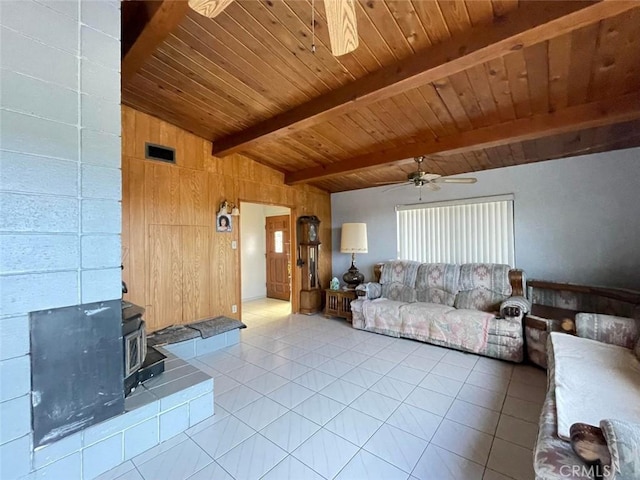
(464, 441)
(438, 463)
(511, 460)
(473, 416)
(517, 431)
(522, 409)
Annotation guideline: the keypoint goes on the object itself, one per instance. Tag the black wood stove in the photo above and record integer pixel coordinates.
(141, 362)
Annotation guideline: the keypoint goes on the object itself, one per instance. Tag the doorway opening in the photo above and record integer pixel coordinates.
(266, 262)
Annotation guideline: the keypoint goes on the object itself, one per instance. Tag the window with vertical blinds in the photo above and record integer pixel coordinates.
(467, 231)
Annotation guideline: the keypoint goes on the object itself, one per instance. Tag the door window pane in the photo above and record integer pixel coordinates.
(279, 246)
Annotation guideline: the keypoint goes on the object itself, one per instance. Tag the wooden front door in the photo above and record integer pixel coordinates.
(278, 253)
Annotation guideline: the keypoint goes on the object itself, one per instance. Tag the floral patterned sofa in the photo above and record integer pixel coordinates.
(554, 458)
(468, 307)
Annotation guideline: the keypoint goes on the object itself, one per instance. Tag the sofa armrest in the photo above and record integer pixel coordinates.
(370, 290)
(619, 331)
(515, 307)
(623, 442)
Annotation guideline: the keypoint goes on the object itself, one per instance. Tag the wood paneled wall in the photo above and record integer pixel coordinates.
(175, 263)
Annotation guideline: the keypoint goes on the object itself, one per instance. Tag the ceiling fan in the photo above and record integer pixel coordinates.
(420, 179)
(341, 21)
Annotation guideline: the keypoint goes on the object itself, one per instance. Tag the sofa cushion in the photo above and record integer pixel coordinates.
(418, 317)
(445, 276)
(400, 271)
(494, 277)
(623, 441)
(435, 295)
(382, 314)
(398, 292)
(480, 299)
(593, 380)
(465, 329)
(619, 331)
(437, 283)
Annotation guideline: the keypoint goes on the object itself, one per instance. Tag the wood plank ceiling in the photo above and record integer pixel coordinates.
(219, 77)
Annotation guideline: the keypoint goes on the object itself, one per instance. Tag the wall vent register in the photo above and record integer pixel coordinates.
(159, 152)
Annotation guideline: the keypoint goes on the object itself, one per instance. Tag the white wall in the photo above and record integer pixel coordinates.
(60, 192)
(253, 248)
(252, 245)
(274, 210)
(576, 219)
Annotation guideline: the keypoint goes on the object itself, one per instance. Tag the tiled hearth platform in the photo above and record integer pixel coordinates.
(306, 397)
(165, 406)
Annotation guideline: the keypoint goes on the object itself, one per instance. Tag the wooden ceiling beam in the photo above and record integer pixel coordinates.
(580, 117)
(162, 19)
(530, 24)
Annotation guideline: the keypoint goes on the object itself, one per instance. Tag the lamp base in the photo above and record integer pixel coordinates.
(353, 277)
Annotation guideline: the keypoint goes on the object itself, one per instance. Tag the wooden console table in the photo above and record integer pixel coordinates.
(338, 303)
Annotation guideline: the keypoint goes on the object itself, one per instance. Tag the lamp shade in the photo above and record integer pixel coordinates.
(354, 238)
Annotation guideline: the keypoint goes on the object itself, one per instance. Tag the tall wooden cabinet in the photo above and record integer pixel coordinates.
(308, 258)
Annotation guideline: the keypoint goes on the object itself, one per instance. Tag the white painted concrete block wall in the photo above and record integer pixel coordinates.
(60, 187)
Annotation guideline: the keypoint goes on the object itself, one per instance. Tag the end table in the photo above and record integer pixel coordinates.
(338, 303)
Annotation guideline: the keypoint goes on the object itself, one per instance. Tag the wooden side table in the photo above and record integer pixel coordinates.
(338, 303)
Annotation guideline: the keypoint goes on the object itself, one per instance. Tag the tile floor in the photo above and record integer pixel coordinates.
(306, 397)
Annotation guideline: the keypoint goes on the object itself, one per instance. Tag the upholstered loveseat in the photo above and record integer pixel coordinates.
(593, 378)
(468, 307)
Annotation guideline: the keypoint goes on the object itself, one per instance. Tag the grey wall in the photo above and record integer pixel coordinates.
(60, 187)
(576, 219)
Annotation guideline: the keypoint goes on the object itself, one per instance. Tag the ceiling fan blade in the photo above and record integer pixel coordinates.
(432, 186)
(209, 8)
(395, 187)
(456, 180)
(429, 176)
(390, 183)
(343, 28)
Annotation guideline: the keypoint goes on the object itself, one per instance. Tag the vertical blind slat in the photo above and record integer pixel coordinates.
(473, 232)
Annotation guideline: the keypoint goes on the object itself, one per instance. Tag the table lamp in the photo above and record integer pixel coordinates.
(353, 240)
